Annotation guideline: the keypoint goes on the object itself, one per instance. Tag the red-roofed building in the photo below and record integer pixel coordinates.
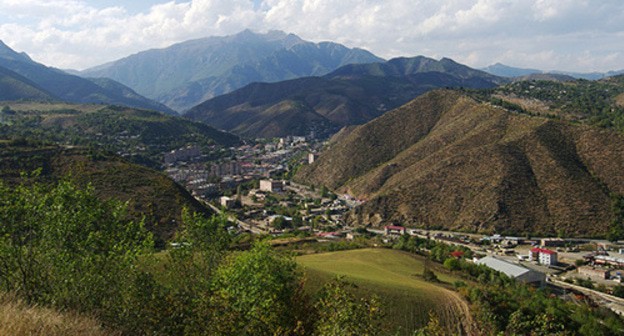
(457, 254)
(394, 230)
(331, 235)
(543, 256)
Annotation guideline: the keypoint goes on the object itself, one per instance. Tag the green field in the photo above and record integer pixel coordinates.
(395, 277)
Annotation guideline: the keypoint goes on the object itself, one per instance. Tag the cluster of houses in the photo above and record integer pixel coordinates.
(182, 154)
(207, 178)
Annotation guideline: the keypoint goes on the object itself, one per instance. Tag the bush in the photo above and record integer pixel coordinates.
(428, 275)
(62, 246)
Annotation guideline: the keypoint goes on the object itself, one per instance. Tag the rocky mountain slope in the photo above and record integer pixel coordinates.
(188, 73)
(446, 160)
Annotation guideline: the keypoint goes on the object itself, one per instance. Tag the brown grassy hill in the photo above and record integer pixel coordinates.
(446, 161)
(18, 318)
(148, 192)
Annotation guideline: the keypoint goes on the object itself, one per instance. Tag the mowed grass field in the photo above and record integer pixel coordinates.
(396, 277)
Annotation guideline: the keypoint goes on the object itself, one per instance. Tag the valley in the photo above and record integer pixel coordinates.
(262, 184)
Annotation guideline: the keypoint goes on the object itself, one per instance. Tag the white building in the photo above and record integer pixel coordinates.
(271, 186)
(227, 202)
(182, 154)
(312, 157)
(543, 256)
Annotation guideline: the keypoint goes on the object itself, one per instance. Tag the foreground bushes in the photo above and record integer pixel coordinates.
(61, 247)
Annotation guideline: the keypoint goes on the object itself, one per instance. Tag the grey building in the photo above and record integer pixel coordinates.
(514, 271)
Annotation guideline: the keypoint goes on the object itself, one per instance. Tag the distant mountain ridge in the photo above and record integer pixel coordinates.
(14, 86)
(188, 73)
(62, 86)
(351, 95)
(445, 160)
(502, 70)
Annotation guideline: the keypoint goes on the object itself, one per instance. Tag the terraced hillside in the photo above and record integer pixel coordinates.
(396, 278)
(445, 160)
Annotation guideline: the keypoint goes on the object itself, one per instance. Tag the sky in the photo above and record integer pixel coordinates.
(568, 35)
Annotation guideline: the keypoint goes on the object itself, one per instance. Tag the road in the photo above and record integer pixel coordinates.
(245, 226)
(614, 303)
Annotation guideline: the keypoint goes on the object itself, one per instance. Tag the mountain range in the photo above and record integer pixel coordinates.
(502, 70)
(447, 160)
(188, 73)
(351, 95)
(23, 78)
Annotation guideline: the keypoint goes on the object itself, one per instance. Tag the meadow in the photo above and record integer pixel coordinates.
(396, 278)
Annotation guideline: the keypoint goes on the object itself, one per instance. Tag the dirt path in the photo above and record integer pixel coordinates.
(460, 321)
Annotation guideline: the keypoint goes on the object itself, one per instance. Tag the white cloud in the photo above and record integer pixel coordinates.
(548, 34)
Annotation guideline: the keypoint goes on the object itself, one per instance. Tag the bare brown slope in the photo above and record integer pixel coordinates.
(446, 161)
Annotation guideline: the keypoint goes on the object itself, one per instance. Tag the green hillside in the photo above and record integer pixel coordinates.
(448, 161)
(396, 278)
(140, 134)
(148, 192)
(596, 103)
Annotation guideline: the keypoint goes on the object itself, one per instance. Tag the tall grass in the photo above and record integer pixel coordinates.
(18, 318)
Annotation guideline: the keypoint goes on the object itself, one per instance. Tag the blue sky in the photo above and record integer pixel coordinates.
(132, 6)
(572, 35)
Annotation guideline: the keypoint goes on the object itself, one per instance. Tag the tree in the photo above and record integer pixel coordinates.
(428, 274)
(324, 191)
(280, 223)
(433, 327)
(452, 264)
(618, 291)
(61, 245)
(616, 228)
(340, 312)
(258, 292)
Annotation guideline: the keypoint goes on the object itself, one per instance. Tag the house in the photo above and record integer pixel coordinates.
(329, 235)
(227, 202)
(352, 235)
(514, 271)
(457, 254)
(552, 242)
(394, 230)
(269, 220)
(312, 157)
(594, 272)
(543, 256)
(271, 186)
(182, 154)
